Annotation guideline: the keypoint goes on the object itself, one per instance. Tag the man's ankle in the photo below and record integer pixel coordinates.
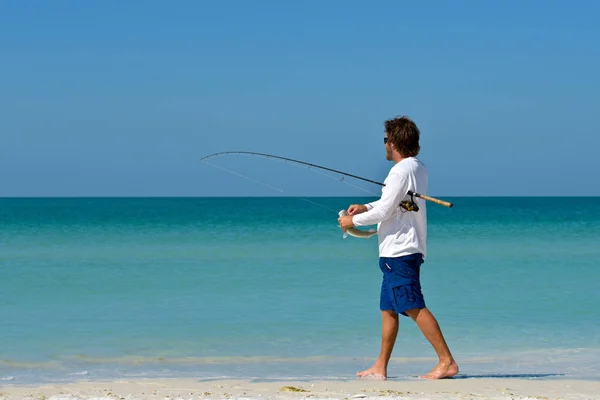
(380, 363)
(446, 360)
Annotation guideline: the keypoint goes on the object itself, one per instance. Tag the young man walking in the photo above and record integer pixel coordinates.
(402, 248)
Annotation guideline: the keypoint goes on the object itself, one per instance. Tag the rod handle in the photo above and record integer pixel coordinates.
(432, 199)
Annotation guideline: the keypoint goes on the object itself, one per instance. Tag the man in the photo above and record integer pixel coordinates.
(402, 248)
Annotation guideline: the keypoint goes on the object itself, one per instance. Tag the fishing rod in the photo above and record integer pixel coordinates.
(292, 160)
(410, 206)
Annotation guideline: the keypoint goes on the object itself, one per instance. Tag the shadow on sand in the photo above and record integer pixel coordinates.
(506, 376)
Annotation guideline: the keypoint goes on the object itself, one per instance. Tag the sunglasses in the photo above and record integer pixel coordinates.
(385, 140)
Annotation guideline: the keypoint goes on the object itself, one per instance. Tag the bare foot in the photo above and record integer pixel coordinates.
(374, 372)
(442, 370)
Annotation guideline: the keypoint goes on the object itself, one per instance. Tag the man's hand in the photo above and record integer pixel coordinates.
(345, 222)
(357, 209)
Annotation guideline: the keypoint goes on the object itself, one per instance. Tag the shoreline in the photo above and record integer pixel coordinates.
(176, 388)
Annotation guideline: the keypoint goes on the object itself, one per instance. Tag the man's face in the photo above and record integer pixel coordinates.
(388, 148)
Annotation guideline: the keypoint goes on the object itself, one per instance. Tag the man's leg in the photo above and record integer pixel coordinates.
(425, 320)
(389, 331)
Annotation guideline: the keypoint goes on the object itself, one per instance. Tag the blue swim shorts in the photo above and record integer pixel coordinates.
(401, 286)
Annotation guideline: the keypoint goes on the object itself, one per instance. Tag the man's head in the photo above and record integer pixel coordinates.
(402, 138)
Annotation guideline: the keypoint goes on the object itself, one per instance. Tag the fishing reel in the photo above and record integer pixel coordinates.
(409, 205)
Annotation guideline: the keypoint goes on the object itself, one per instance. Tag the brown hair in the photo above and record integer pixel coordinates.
(404, 134)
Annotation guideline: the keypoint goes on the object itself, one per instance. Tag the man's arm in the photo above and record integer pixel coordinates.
(396, 187)
(372, 204)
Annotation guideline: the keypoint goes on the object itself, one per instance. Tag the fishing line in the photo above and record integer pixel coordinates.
(242, 176)
(253, 153)
(301, 164)
(267, 185)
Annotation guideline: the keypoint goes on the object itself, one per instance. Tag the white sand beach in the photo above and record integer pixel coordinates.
(171, 389)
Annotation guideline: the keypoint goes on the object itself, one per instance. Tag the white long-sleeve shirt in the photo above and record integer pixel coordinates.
(400, 232)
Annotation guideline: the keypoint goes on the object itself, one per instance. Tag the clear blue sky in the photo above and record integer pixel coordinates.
(117, 98)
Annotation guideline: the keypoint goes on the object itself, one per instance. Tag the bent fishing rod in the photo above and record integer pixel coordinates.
(252, 153)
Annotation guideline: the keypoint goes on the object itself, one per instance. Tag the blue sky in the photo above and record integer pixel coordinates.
(118, 98)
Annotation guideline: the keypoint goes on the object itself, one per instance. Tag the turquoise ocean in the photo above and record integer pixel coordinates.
(267, 288)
